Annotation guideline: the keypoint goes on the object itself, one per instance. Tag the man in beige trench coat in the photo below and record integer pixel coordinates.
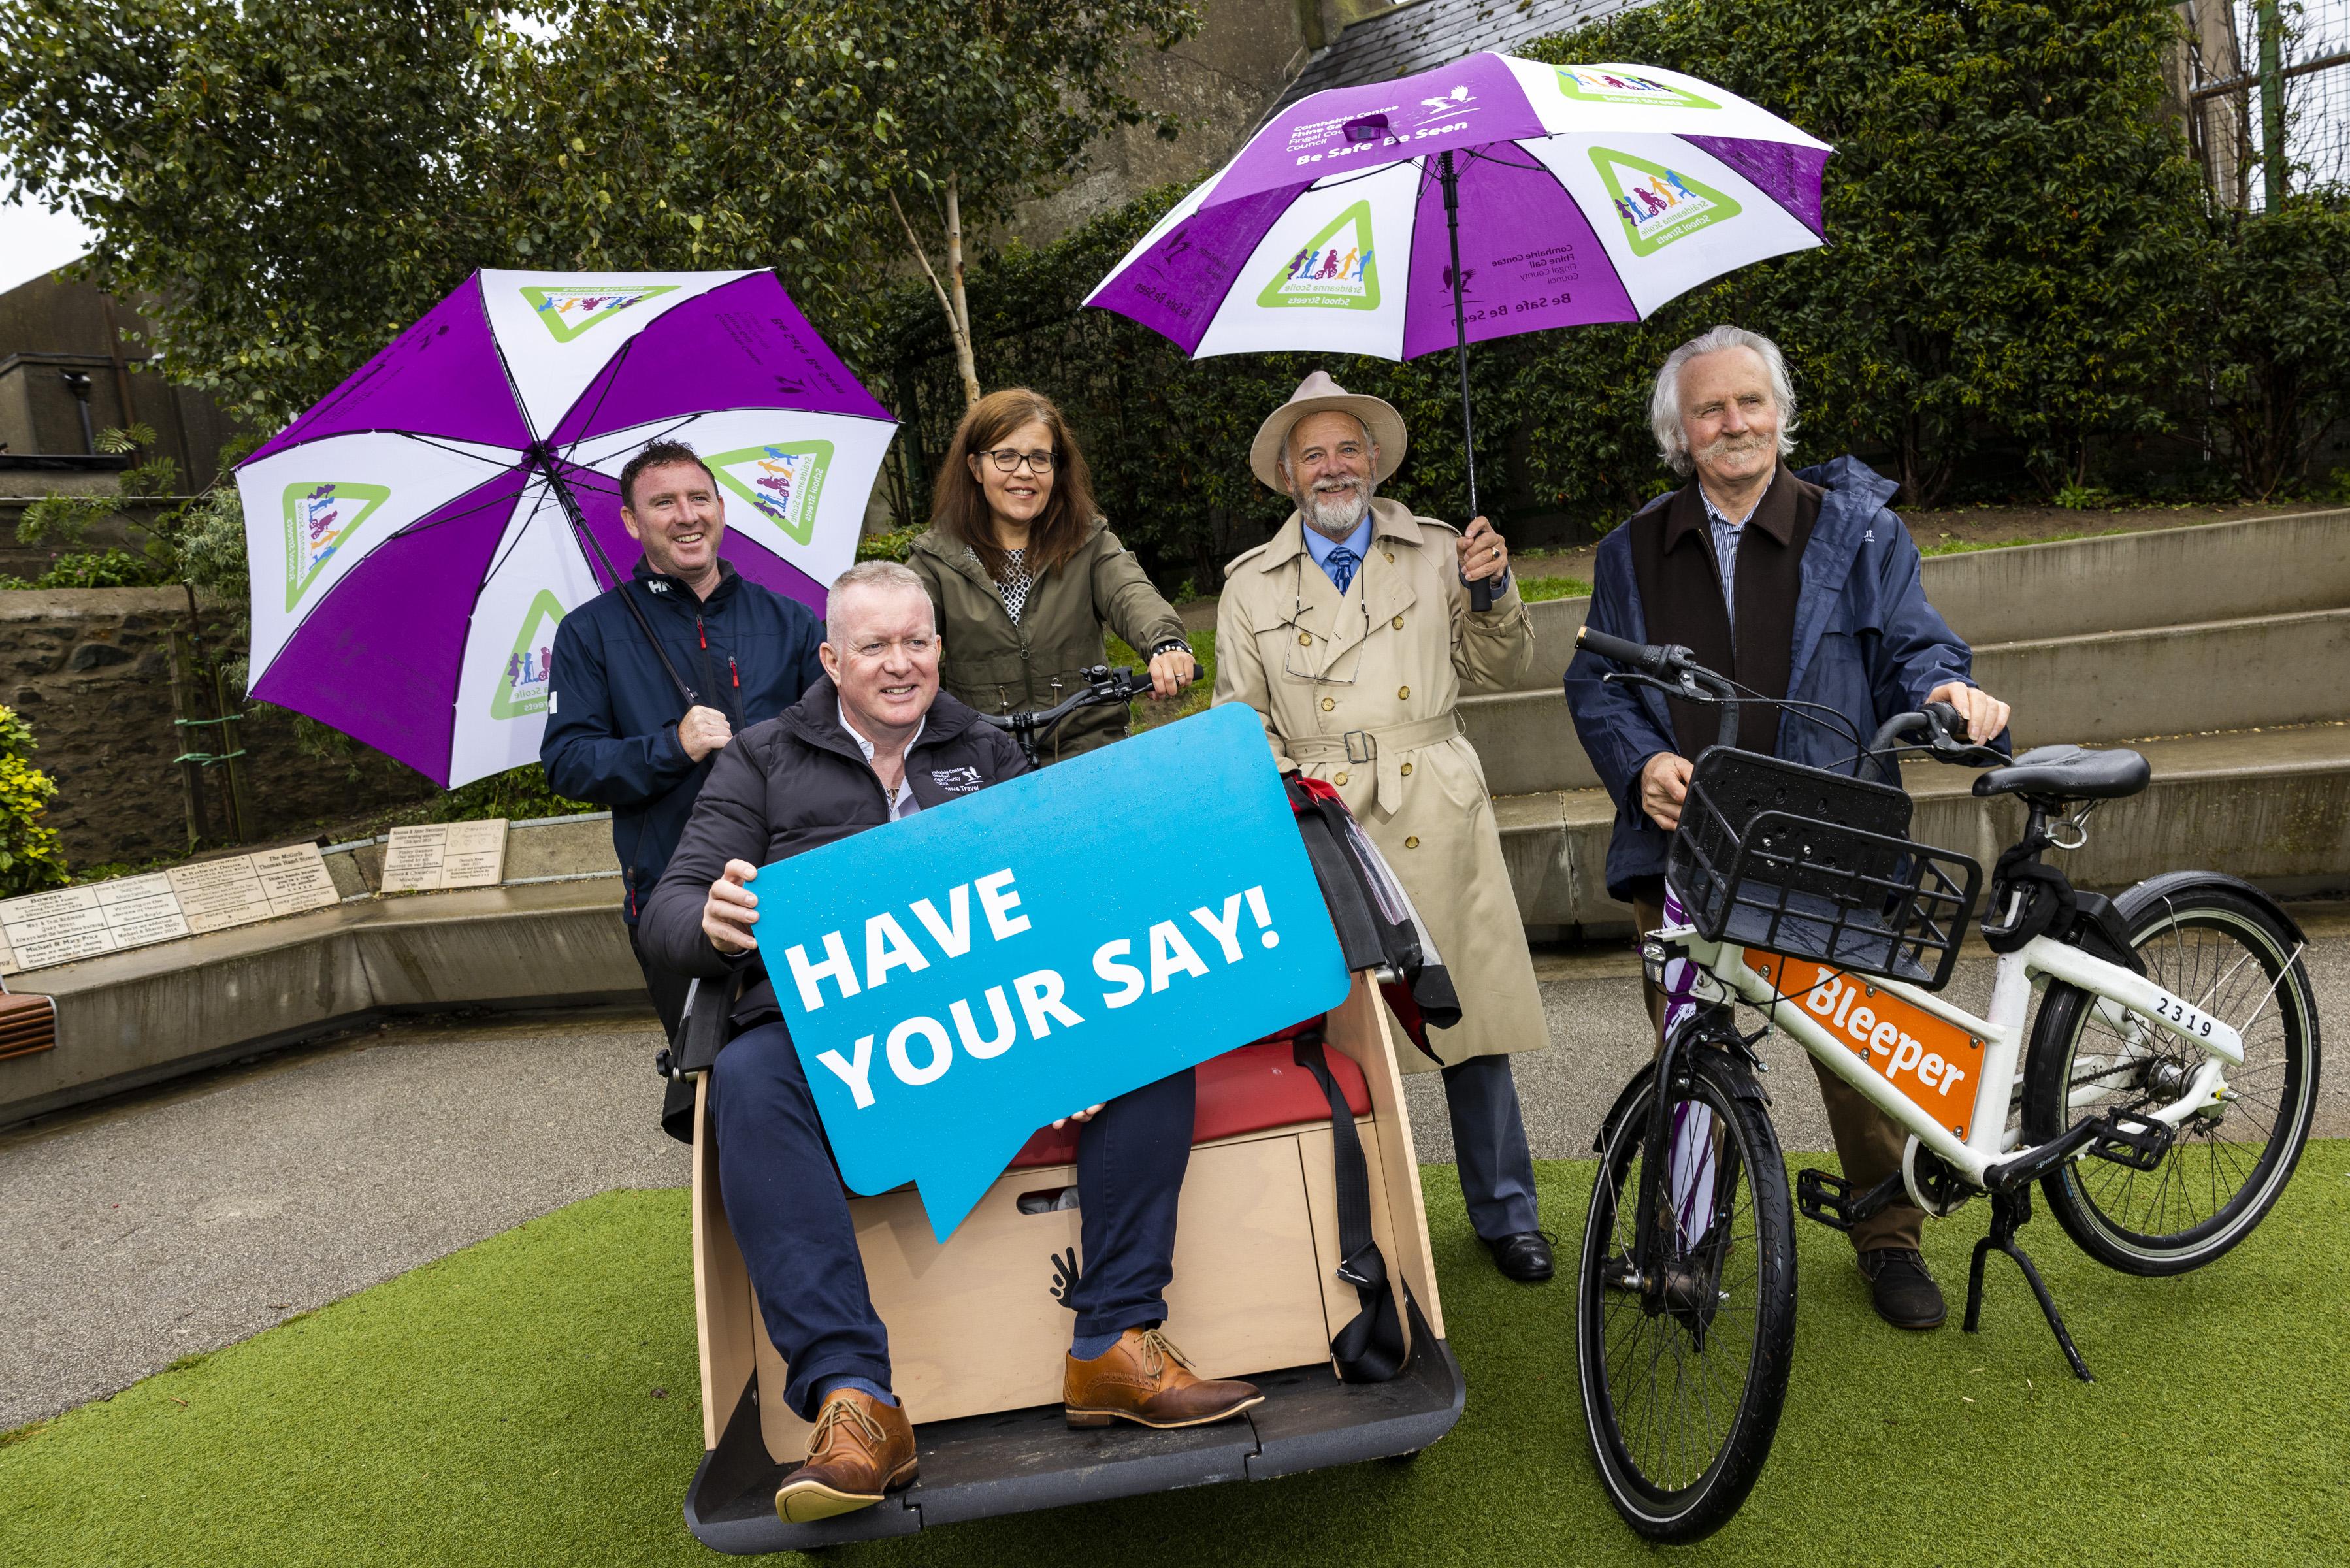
(1350, 633)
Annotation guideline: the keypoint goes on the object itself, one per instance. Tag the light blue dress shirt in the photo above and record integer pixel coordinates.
(1726, 535)
(1319, 544)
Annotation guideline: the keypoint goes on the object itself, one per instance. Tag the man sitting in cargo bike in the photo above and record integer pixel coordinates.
(873, 742)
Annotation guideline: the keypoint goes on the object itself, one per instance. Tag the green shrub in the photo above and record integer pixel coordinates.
(97, 569)
(518, 794)
(30, 857)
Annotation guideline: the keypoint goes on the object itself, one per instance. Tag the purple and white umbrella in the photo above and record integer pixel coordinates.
(414, 538)
(1587, 193)
(1489, 197)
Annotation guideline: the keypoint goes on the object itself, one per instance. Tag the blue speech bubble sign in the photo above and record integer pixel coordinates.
(959, 979)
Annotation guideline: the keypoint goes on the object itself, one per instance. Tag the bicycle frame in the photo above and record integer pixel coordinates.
(1989, 1141)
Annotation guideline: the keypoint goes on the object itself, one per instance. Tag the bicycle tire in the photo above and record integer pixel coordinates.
(1630, 1447)
(2151, 1223)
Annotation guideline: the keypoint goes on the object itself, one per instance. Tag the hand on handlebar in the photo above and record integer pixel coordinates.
(1985, 714)
(1664, 785)
(1172, 671)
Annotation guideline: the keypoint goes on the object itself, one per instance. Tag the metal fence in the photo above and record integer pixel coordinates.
(2257, 69)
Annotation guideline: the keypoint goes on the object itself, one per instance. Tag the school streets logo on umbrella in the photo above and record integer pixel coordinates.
(1319, 276)
(415, 539)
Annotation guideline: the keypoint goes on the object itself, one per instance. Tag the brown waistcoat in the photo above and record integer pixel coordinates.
(1680, 592)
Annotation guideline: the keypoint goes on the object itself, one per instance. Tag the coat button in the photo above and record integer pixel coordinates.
(1412, 843)
(1402, 691)
(1389, 555)
(1339, 780)
(1328, 704)
(1397, 623)
(1306, 640)
(1406, 770)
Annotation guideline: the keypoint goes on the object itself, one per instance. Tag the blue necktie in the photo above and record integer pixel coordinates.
(1341, 564)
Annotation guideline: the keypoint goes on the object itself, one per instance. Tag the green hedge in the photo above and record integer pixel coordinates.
(2025, 293)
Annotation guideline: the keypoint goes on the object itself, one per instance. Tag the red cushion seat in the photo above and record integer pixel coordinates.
(1253, 1089)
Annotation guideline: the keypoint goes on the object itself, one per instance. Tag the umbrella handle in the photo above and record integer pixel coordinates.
(579, 526)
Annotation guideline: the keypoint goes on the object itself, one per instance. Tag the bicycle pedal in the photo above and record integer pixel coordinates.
(2134, 1143)
(1824, 1198)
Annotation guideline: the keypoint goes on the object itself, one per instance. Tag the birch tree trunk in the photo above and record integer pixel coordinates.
(957, 305)
(961, 313)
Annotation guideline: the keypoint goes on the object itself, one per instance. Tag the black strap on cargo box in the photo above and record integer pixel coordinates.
(1371, 1349)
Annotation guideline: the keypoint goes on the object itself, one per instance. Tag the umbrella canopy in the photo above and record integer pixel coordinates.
(414, 538)
(1583, 194)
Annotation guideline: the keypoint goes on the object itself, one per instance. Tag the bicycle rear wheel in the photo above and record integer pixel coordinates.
(1684, 1367)
(2228, 956)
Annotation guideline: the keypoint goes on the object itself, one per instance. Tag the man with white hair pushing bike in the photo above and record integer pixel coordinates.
(1796, 585)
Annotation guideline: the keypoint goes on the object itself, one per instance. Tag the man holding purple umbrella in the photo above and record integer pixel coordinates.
(619, 730)
(1352, 632)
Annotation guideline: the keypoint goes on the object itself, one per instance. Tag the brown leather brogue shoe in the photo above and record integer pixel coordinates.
(861, 1449)
(1144, 1378)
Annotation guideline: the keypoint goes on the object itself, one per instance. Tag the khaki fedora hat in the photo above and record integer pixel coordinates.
(1320, 394)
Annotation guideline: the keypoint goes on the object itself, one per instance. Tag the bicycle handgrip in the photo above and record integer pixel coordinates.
(1638, 655)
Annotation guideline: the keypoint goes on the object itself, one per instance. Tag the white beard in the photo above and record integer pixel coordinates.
(1335, 514)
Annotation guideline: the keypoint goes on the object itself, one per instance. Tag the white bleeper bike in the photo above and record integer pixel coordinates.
(2160, 1103)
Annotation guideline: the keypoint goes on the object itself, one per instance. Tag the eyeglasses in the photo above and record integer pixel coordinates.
(1007, 459)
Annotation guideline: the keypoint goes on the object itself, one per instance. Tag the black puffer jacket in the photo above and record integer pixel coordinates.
(792, 784)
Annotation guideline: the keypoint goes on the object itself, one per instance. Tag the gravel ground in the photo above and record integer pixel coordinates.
(185, 1220)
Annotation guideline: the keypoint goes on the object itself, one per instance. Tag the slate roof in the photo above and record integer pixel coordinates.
(1421, 35)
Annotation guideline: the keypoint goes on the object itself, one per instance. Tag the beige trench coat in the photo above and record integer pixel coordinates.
(1386, 663)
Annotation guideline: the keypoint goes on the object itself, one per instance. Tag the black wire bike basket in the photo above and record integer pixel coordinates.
(1798, 860)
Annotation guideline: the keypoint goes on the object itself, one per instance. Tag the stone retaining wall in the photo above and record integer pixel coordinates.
(89, 669)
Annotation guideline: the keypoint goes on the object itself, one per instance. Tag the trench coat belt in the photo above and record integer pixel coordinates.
(1387, 748)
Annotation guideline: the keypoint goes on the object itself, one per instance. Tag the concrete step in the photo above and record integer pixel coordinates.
(2095, 689)
(2268, 805)
(2125, 582)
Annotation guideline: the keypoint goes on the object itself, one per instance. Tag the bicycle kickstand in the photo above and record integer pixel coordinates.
(2008, 1211)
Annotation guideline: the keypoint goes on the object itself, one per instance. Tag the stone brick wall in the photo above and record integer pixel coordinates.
(89, 669)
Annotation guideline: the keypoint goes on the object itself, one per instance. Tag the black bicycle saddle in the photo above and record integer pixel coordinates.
(2068, 772)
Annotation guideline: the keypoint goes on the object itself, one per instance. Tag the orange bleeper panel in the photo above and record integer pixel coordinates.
(1937, 1065)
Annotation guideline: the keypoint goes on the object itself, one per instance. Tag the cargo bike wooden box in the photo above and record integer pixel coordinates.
(1281, 1196)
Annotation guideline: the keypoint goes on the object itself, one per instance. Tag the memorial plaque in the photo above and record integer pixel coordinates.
(475, 856)
(295, 879)
(443, 855)
(217, 894)
(242, 889)
(71, 923)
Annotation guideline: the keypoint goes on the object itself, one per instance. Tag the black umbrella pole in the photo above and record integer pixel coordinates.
(579, 526)
(1481, 593)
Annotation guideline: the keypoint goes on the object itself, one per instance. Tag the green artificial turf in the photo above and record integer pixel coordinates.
(501, 1406)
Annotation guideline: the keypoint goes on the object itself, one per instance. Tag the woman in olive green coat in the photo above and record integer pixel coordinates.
(1025, 576)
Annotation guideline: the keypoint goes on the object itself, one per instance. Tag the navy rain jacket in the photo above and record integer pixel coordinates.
(1866, 644)
(612, 714)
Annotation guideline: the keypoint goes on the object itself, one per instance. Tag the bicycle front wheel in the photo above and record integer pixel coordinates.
(1684, 1358)
(2228, 957)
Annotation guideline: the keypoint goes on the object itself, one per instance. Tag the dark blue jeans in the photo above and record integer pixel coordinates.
(789, 1213)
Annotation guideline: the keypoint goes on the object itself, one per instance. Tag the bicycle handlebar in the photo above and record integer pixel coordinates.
(1102, 685)
(1674, 669)
(1663, 662)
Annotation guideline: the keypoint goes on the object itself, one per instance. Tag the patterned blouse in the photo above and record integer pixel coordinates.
(1014, 584)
